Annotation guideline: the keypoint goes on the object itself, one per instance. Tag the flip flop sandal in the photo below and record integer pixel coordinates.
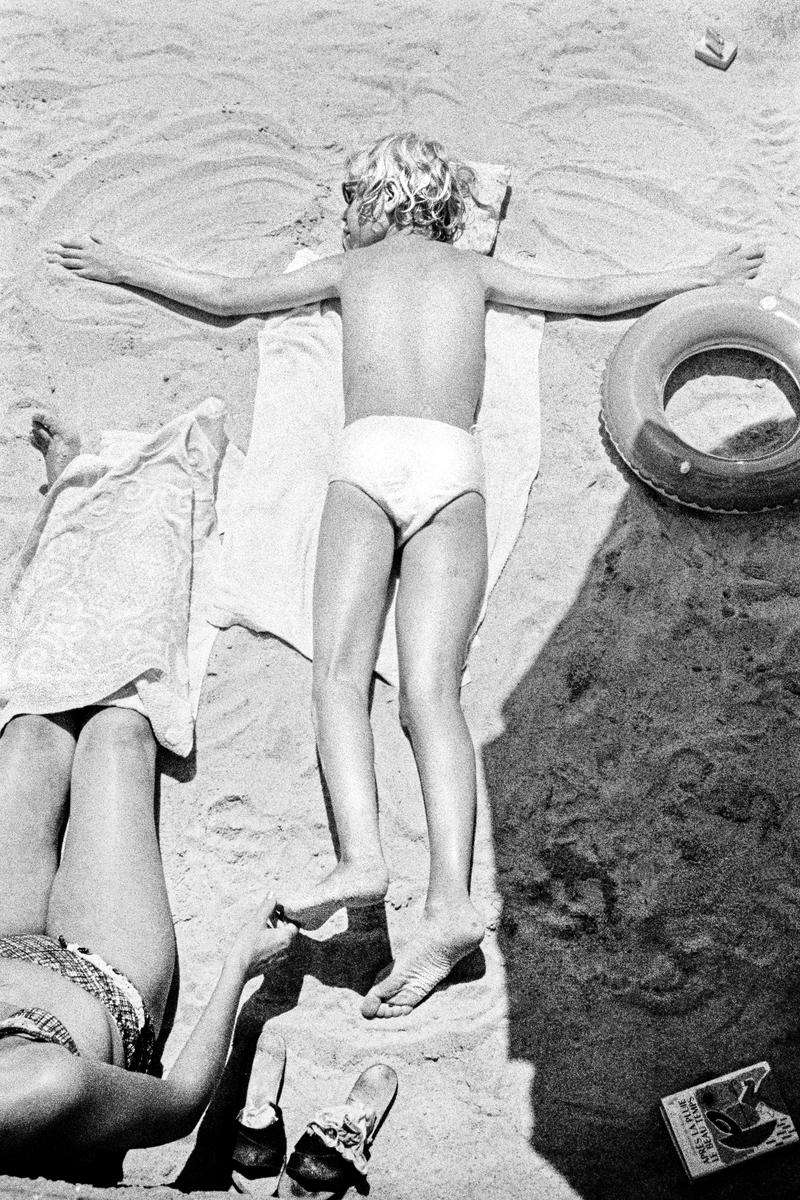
(333, 1153)
(259, 1150)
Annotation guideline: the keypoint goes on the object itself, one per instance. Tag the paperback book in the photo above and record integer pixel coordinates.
(728, 1120)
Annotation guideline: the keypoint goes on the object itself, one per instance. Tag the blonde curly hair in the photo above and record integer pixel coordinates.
(433, 189)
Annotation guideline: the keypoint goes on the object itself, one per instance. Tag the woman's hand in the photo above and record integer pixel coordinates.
(89, 256)
(264, 940)
(736, 264)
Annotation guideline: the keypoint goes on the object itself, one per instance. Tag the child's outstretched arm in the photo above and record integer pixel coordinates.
(600, 295)
(90, 257)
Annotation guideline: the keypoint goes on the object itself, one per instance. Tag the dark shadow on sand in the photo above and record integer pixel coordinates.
(646, 812)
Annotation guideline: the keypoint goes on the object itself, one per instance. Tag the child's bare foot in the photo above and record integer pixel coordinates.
(350, 885)
(57, 440)
(440, 942)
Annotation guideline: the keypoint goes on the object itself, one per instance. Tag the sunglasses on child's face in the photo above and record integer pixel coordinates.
(349, 191)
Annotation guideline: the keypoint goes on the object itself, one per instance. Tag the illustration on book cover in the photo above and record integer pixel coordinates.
(728, 1120)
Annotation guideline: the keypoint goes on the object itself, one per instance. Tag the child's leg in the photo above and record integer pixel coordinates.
(351, 582)
(35, 763)
(442, 583)
(109, 893)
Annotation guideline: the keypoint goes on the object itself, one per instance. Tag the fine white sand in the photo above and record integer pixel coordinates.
(635, 698)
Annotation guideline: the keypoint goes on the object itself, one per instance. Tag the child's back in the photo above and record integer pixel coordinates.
(413, 314)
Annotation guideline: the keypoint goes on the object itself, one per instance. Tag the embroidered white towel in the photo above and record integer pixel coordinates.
(108, 598)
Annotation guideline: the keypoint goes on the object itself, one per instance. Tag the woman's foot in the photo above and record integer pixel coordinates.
(440, 942)
(356, 884)
(57, 440)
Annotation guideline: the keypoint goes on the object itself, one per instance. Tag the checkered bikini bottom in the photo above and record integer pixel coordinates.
(77, 964)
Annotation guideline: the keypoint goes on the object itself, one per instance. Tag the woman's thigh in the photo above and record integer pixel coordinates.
(36, 755)
(109, 893)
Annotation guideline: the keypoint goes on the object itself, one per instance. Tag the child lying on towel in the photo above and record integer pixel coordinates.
(407, 486)
(87, 947)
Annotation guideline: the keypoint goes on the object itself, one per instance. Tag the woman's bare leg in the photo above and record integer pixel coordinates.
(35, 763)
(35, 759)
(351, 581)
(109, 893)
(442, 583)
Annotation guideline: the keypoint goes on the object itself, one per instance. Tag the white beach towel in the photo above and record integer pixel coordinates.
(108, 597)
(268, 561)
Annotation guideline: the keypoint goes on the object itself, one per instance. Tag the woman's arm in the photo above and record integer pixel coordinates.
(90, 258)
(121, 1109)
(602, 295)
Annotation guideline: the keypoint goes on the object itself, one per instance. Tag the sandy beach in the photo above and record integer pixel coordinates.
(636, 690)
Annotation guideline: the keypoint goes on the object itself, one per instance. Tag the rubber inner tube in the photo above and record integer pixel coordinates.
(716, 318)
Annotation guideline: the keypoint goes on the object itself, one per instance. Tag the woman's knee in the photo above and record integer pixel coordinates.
(36, 735)
(123, 728)
(33, 802)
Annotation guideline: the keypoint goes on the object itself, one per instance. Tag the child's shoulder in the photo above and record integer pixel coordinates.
(451, 255)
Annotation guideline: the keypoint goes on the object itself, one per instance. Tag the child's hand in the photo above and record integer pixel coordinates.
(736, 264)
(87, 255)
(263, 941)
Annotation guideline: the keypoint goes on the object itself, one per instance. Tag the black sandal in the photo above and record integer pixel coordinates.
(333, 1153)
(260, 1153)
